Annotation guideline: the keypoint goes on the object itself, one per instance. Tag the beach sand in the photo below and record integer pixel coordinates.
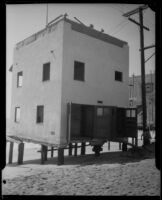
(113, 173)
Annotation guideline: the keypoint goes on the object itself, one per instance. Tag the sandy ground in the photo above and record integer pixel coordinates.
(113, 173)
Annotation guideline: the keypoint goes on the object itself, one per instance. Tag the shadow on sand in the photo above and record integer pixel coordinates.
(117, 157)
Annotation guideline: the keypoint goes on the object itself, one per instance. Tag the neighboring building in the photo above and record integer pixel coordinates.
(65, 62)
(135, 97)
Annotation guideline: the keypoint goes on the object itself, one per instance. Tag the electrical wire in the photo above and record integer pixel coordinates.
(118, 25)
(120, 28)
(112, 6)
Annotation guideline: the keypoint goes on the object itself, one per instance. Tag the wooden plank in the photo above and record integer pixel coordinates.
(9, 139)
(20, 153)
(11, 152)
(60, 160)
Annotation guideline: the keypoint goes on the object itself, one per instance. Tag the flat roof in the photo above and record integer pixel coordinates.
(76, 27)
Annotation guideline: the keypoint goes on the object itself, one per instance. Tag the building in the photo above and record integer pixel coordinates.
(135, 97)
(65, 67)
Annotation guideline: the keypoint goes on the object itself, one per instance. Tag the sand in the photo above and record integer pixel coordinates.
(114, 173)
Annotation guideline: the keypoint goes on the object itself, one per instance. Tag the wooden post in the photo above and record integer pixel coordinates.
(108, 145)
(43, 153)
(60, 159)
(70, 149)
(11, 152)
(20, 153)
(120, 146)
(46, 152)
(136, 141)
(124, 146)
(75, 149)
(83, 148)
(52, 152)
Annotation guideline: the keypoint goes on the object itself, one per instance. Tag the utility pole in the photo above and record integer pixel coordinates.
(133, 91)
(140, 11)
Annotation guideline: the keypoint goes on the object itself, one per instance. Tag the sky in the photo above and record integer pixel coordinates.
(23, 20)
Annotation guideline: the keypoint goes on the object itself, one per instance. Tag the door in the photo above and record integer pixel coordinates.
(131, 122)
(75, 123)
(103, 122)
(87, 123)
(120, 122)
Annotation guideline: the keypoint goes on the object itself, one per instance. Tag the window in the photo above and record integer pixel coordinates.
(19, 79)
(133, 113)
(128, 113)
(17, 114)
(99, 111)
(40, 113)
(118, 76)
(78, 71)
(46, 71)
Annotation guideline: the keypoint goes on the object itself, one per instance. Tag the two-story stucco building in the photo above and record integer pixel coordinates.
(65, 75)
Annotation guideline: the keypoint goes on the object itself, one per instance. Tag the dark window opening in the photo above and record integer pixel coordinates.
(46, 71)
(17, 114)
(118, 76)
(19, 79)
(40, 113)
(78, 71)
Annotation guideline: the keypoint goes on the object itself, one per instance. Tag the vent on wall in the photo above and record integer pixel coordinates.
(100, 102)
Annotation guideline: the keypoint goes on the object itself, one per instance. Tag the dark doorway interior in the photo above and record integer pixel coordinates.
(87, 122)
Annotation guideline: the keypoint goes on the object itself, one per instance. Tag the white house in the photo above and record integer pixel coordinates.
(66, 63)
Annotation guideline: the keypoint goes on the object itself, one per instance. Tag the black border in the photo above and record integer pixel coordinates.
(155, 6)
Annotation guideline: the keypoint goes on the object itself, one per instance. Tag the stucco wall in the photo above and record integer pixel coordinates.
(30, 59)
(101, 60)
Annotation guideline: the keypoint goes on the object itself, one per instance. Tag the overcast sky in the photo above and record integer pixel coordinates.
(26, 19)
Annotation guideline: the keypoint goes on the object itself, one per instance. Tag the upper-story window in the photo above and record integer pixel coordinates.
(19, 79)
(46, 71)
(118, 76)
(79, 71)
(17, 114)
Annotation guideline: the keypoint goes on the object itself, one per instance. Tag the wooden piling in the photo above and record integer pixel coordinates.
(83, 148)
(120, 145)
(52, 152)
(60, 160)
(20, 153)
(70, 149)
(11, 153)
(43, 154)
(136, 141)
(108, 145)
(75, 149)
(133, 141)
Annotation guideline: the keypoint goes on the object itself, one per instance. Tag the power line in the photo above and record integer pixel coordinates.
(118, 25)
(120, 28)
(116, 8)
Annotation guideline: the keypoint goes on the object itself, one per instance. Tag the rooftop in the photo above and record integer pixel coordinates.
(79, 27)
